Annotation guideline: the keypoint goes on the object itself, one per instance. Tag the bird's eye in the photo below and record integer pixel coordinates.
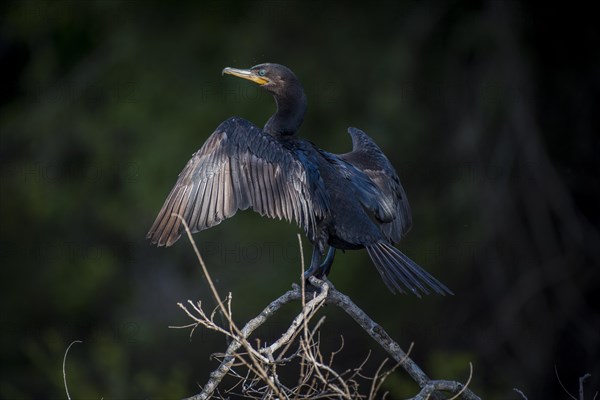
(262, 72)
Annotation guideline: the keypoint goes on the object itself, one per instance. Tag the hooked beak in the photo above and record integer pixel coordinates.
(246, 74)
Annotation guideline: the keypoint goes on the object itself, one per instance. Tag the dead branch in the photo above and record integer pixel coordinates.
(330, 295)
(307, 311)
(318, 379)
(392, 348)
(218, 375)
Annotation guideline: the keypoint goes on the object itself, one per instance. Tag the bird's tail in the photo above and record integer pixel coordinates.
(399, 272)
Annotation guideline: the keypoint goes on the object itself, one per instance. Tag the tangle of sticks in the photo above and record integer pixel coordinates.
(299, 343)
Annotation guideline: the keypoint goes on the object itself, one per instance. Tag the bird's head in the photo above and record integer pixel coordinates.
(275, 78)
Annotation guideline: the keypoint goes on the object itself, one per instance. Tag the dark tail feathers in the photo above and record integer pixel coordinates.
(399, 272)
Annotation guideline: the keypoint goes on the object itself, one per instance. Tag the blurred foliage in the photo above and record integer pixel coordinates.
(487, 109)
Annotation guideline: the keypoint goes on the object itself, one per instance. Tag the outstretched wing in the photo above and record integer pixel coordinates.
(369, 158)
(239, 167)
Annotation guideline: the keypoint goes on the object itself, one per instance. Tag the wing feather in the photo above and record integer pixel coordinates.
(239, 167)
(268, 188)
(195, 215)
(228, 193)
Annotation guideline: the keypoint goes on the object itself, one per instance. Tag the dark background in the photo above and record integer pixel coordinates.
(488, 110)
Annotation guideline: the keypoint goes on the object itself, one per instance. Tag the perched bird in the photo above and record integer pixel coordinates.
(342, 201)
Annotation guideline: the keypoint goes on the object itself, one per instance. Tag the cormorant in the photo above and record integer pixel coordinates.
(342, 201)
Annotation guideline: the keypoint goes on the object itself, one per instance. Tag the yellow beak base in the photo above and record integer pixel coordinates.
(246, 74)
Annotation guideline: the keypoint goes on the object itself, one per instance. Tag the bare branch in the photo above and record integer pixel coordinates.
(217, 375)
(389, 345)
(317, 379)
(251, 352)
(444, 386)
(307, 311)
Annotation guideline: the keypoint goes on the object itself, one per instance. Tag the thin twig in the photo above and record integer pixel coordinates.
(251, 352)
(466, 384)
(307, 310)
(64, 367)
(320, 366)
(581, 382)
(521, 393)
(561, 384)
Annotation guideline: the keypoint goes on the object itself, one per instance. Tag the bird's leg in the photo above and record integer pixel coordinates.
(314, 263)
(325, 267)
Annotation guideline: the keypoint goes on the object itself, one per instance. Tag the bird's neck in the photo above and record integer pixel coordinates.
(291, 108)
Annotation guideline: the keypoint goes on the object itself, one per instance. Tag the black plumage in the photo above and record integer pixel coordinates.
(347, 201)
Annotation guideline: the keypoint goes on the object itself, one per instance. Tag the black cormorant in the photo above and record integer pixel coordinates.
(342, 201)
